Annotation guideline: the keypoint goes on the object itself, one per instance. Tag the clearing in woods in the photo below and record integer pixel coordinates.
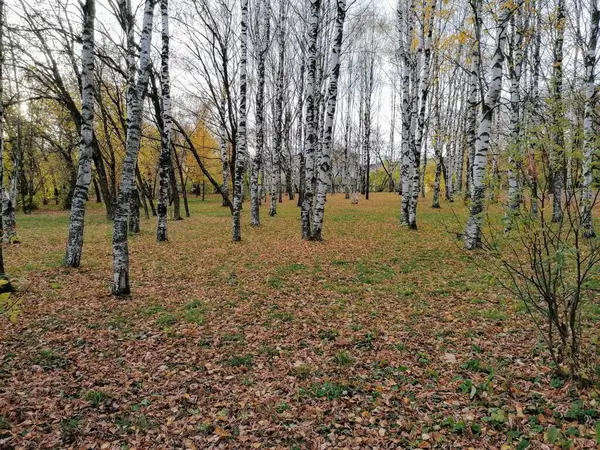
(378, 336)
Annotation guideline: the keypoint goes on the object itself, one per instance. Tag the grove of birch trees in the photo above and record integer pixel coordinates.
(474, 102)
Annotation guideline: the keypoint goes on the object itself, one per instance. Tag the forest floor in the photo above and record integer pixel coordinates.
(378, 337)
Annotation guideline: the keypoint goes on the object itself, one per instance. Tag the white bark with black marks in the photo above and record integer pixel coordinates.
(2, 59)
(241, 141)
(421, 126)
(164, 160)
(472, 235)
(135, 93)
(84, 171)
(407, 164)
(324, 168)
(278, 119)
(473, 97)
(265, 37)
(311, 125)
(557, 156)
(515, 157)
(224, 169)
(590, 137)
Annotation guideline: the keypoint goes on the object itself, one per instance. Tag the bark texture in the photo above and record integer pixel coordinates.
(332, 92)
(241, 144)
(311, 123)
(165, 148)
(84, 171)
(589, 135)
(135, 96)
(472, 235)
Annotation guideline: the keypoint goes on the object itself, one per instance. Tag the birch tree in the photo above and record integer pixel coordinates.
(324, 167)
(473, 101)
(165, 149)
(405, 27)
(310, 139)
(84, 172)
(489, 100)
(589, 133)
(241, 156)
(2, 60)
(557, 155)
(515, 62)
(135, 102)
(423, 93)
(260, 122)
(278, 119)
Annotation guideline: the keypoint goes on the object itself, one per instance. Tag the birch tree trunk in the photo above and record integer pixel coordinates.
(407, 162)
(278, 120)
(84, 172)
(472, 237)
(134, 209)
(533, 104)
(299, 130)
(589, 135)
(557, 157)
(10, 222)
(224, 169)
(165, 148)
(473, 98)
(311, 130)
(421, 125)
(260, 121)
(437, 144)
(514, 151)
(2, 273)
(325, 163)
(346, 169)
(174, 188)
(241, 144)
(135, 92)
(369, 74)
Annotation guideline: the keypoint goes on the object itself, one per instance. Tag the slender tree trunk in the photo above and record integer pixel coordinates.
(347, 132)
(367, 127)
(590, 146)
(277, 195)
(311, 124)
(134, 213)
(97, 190)
(437, 150)
(103, 179)
(241, 156)
(84, 173)
(473, 98)
(165, 148)
(135, 92)
(174, 188)
(260, 120)
(2, 59)
(515, 156)
(182, 181)
(421, 130)
(145, 193)
(558, 161)
(325, 163)
(299, 132)
(407, 155)
(533, 104)
(10, 225)
(472, 237)
(224, 169)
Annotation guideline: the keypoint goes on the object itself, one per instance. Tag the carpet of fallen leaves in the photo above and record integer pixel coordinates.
(378, 337)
